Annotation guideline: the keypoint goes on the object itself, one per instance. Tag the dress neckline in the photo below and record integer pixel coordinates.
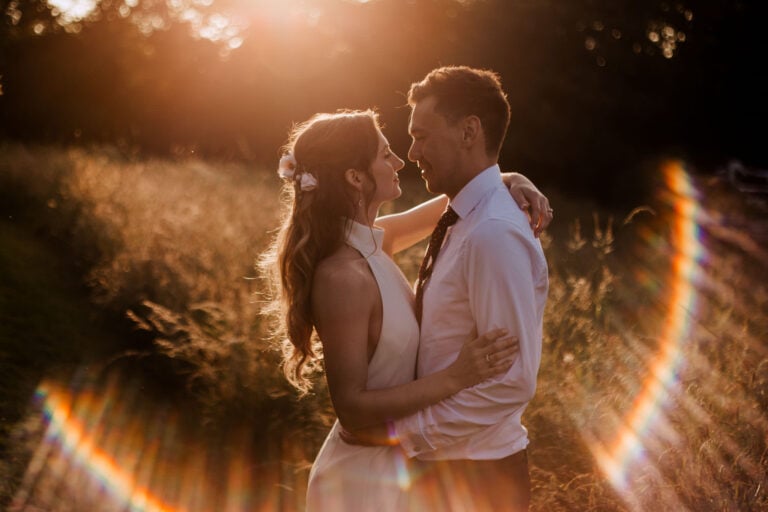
(367, 240)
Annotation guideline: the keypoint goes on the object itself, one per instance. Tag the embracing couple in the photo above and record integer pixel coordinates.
(429, 382)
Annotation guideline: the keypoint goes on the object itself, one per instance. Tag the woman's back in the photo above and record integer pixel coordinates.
(347, 477)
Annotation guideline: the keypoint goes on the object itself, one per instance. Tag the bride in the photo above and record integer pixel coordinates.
(332, 273)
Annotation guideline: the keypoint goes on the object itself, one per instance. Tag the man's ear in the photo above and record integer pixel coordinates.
(471, 130)
(353, 178)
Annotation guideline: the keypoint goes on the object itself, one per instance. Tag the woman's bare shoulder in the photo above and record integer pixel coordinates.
(344, 270)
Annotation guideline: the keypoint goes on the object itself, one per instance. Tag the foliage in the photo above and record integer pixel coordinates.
(589, 82)
(172, 244)
(606, 331)
(46, 323)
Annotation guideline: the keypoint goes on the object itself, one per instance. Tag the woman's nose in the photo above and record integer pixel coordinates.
(400, 164)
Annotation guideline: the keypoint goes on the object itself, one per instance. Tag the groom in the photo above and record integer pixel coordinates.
(490, 272)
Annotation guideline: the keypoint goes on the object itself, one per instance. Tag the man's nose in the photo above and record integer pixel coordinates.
(413, 152)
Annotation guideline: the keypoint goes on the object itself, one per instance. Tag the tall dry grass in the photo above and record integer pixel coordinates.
(172, 246)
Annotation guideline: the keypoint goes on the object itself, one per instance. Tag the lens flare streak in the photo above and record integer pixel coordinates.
(67, 433)
(629, 446)
(107, 446)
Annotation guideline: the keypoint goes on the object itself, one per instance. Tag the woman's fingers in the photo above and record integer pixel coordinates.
(519, 198)
(500, 355)
(503, 354)
(495, 334)
(487, 340)
(503, 343)
(541, 214)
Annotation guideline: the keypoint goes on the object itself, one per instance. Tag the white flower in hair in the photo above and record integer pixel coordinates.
(307, 182)
(287, 167)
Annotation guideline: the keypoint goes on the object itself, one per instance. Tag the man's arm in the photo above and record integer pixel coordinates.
(500, 265)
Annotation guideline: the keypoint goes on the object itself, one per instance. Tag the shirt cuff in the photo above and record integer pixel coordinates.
(410, 434)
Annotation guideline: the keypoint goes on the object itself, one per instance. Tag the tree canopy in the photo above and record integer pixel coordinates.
(595, 85)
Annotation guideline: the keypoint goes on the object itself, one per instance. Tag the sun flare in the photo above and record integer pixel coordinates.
(71, 11)
(646, 419)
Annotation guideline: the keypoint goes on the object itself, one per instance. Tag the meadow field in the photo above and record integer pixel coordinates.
(137, 371)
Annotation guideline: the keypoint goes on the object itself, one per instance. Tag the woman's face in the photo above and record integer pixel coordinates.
(384, 169)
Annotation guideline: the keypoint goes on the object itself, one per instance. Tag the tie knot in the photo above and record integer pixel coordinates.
(448, 218)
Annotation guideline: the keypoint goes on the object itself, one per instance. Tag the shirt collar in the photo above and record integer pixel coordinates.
(468, 197)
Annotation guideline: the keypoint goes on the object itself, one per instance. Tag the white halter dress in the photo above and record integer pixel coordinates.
(361, 478)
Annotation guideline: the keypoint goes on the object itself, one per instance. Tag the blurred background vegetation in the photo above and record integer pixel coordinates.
(596, 86)
(138, 142)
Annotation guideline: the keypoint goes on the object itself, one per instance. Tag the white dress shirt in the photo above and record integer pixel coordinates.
(490, 273)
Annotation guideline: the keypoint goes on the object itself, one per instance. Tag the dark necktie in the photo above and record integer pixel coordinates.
(448, 218)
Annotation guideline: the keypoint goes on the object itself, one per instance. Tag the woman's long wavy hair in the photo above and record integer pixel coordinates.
(312, 227)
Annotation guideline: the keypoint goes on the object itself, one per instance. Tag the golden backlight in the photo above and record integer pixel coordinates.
(70, 11)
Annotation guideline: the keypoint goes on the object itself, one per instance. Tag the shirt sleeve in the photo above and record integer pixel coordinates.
(503, 269)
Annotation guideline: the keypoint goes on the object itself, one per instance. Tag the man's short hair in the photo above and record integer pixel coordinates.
(462, 91)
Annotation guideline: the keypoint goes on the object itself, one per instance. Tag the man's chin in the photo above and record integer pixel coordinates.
(426, 181)
(430, 184)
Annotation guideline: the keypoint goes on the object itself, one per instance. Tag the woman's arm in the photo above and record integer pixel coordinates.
(530, 200)
(404, 229)
(343, 321)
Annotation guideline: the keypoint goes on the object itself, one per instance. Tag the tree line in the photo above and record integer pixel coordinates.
(596, 86)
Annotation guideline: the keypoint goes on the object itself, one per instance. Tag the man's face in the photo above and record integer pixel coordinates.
(435, 147)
